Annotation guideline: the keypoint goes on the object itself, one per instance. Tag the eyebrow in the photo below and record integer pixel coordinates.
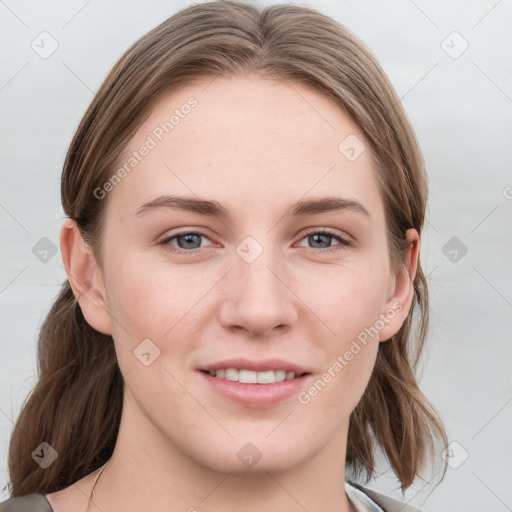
(215, 209)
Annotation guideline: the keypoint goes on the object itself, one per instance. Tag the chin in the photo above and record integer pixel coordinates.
(258, 456)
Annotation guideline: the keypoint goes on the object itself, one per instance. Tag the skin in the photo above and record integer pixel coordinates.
(256, 146)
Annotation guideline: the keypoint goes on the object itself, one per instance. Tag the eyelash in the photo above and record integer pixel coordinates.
(323, 231)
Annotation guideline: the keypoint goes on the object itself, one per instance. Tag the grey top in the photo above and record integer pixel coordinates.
(365, 500)
(30, 503)
(368, 500)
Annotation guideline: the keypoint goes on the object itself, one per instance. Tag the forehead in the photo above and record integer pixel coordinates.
(249, 143)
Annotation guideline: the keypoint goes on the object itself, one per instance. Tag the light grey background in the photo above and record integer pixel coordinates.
(460, 107)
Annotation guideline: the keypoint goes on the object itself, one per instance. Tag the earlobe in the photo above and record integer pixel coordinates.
(84, 276)
(399, 303)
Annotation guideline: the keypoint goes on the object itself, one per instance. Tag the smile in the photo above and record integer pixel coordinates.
(253, 377)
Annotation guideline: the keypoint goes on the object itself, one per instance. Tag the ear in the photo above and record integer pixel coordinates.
(85, 277)
(401, 289)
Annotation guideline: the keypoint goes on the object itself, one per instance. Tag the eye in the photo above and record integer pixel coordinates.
(187, 242)
(325, 236)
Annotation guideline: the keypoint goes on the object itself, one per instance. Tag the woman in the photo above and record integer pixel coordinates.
(245, 198)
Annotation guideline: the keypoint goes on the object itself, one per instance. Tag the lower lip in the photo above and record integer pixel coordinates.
(256, 396)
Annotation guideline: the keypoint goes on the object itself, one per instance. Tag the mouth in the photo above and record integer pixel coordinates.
(245, 376)
(255, 384)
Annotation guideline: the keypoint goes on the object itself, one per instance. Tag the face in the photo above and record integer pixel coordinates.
(242, 237)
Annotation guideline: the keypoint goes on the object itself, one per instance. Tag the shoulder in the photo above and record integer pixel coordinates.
(387, 503)
(30, 503)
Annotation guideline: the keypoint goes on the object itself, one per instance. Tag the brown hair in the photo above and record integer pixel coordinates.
(76, 404)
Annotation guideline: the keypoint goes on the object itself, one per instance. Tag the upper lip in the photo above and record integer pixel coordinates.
(257, 366)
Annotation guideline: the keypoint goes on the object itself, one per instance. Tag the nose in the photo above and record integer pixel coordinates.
(258, 297)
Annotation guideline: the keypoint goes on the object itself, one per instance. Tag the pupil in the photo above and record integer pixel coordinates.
(189, 239)
(315, 237)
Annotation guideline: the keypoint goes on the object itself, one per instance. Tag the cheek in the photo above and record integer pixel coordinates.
(148, 297)
(152, 300)
(348, 366)
(348, 298)
(348, 301)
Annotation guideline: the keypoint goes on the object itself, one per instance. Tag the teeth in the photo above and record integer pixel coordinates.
(251, 377)
(247, 377)
(231, 374)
